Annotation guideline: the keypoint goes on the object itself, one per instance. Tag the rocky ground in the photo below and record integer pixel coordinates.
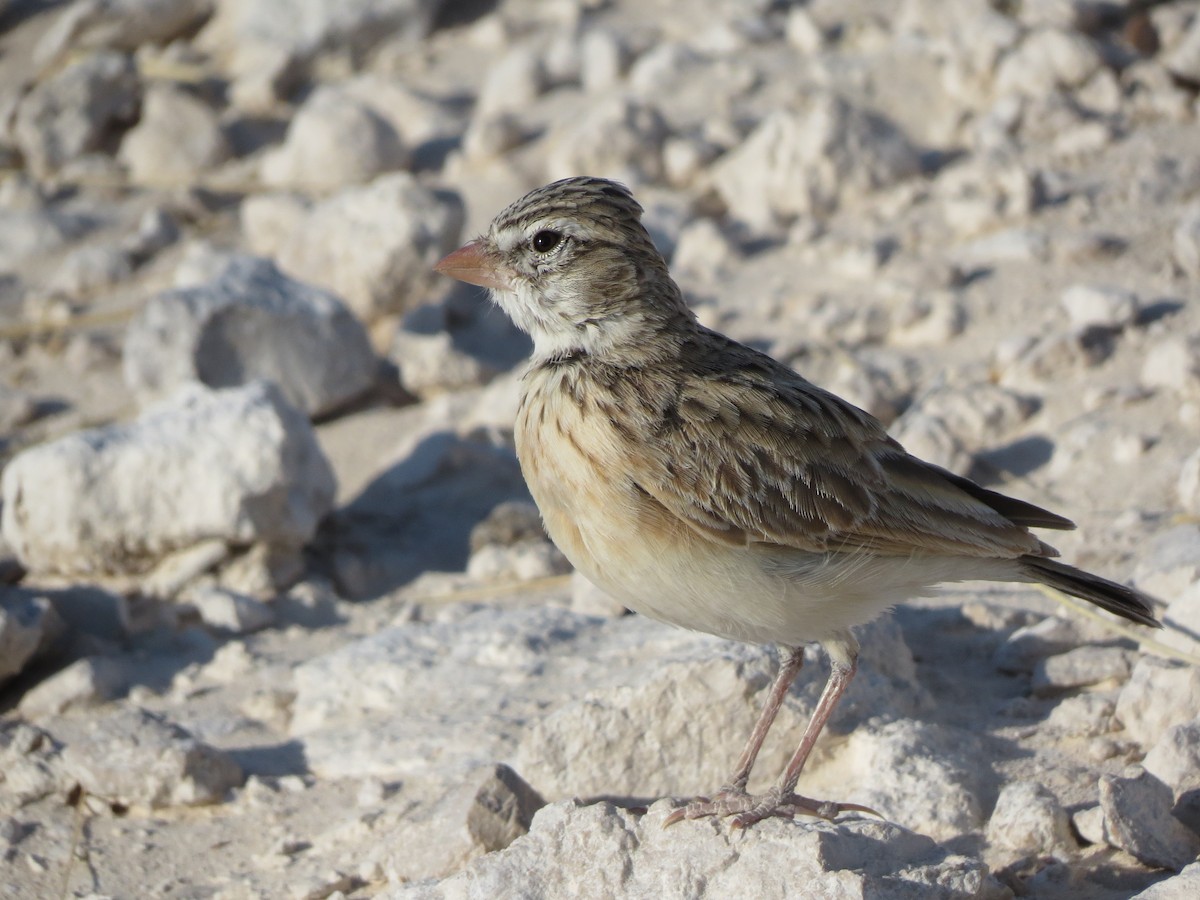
(278, 618)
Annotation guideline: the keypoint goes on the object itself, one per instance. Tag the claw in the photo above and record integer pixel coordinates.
(746, 809)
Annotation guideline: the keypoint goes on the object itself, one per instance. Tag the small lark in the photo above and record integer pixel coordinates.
(705, 484)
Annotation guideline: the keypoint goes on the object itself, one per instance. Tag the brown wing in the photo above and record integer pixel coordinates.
(749, 451)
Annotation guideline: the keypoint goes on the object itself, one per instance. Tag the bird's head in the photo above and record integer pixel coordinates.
(573, 266)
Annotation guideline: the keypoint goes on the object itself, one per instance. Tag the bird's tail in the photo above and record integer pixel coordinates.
(1116, 598)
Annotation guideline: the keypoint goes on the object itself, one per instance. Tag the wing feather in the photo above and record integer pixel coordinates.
(751, 452)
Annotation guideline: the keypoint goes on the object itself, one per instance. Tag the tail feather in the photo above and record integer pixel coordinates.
(1116, 598)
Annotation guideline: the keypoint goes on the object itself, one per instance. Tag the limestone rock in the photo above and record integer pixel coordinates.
(375, 245)
(241, 465)
(1159, 694)
(250, 322)
(597, 851)
(1137, 818)
(334, 140)
(1028, 818)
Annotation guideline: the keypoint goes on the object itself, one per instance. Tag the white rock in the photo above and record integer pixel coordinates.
(333, 140)
(601, 851)
(933, 439)
(375, 245)
(480, 812)
(1138, 820)
(75, 109)
(667, 62)
(1028, 818)
(1175, 758)
(86, 682)
(678, 727)
(512, 84)
(177, 137)
(1104, 306)
(241, 465)
(1089, 822)
(702, 253)
(1174, 363)
(1170, 562)
(925, 776)
(1187, 240)
(118, 25)
(431, 364)
(1182, 621)
(1184, 59)
(251, 322)
(802, 32)
(488, 137)
(946, 424)
(135, 757)
(1083, 715)
(808, 162)
(1081, 667)
(1183, 886)
(673, 731)
(228, 610)
(1159, 694)
(1046, 60)
(27, 625)
(602, 59)
(617, 137)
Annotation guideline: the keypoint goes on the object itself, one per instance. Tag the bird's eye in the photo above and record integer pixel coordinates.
(545, 241)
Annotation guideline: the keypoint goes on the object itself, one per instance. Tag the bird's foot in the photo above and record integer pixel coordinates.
(747, 809)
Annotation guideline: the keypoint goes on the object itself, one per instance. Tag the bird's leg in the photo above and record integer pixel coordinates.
(732, 796)
(782, 800)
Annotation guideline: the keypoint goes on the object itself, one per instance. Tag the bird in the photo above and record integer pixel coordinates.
(707, 485)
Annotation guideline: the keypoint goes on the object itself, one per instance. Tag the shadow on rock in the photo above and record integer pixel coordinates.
(417, 515)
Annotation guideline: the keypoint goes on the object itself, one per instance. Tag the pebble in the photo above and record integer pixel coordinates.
(479, 812)
(1028, 818)
(177, 137)
(334, 140)
(431, 364)
(1103, 306)
(229, 611)
(135, 757)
